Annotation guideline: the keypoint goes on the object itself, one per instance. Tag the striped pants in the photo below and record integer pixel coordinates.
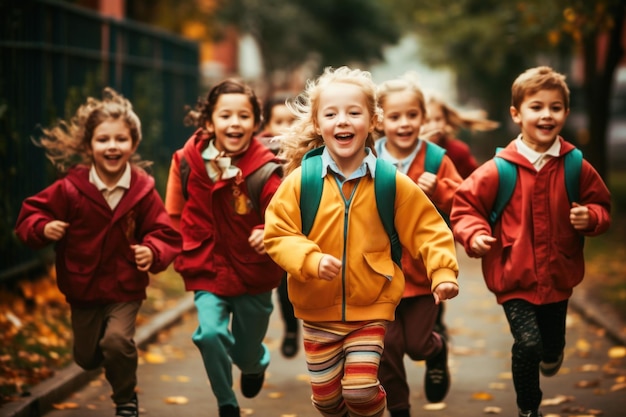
(342, 359)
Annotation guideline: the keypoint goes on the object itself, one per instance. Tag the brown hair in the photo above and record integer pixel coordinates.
(536, 79)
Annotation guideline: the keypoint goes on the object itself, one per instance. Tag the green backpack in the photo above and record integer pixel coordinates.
(507, 174)
(384, 188)
(432, 162)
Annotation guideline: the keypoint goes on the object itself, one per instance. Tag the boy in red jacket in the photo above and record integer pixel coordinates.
(532, 256)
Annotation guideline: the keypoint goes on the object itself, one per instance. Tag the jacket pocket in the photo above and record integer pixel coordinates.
(366, 286)
(258, 272)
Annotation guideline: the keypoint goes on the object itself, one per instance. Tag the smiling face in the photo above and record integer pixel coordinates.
(232, 122)
(111, 147)
(344, 122)
(541, 116)
(280, 120)
(435, 121)
(403, 116)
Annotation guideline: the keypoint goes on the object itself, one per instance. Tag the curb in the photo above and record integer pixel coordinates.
(72, 378)
(599, 314)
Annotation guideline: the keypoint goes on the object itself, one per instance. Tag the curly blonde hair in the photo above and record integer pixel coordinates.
(302, 137)
(67, 143)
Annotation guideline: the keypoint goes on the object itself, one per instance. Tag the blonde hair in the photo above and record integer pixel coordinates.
(301, 137)
(456, 120)
(536, 79)
(406, 82)
(67, 143)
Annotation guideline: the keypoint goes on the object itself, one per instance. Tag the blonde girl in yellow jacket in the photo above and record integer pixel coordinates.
(342, 281)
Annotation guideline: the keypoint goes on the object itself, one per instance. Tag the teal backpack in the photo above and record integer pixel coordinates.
(384, 188)
(507, 174)
(432, 162)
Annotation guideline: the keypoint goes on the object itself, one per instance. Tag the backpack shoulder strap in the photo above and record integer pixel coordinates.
(573, 166)
(434, 156)
(507, 177)
(385, 190)
(257, 179)
(310, 188)
(183, 169)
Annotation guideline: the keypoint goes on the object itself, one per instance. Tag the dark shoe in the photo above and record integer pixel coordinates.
(529, 413)
(130, 409)
(551, 368)
(437, 377)
(290, 347)
(229, 411)
(251, 384)
(399, 413)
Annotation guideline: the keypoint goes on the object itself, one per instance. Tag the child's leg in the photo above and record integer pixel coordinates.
(392, 372)
(289, 347)
(551, 318)
(526, 352)
(251, 317)
(88, 327)
(343, 359)
(214, 340)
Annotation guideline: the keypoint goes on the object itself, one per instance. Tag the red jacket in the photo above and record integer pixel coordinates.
(448, 179)
(538, 255)
(216, 254)
(460, 154)
(94, 261)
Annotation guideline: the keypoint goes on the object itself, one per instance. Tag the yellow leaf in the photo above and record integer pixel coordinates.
(558, 400)
(275, 395)
(155, 358)
(492, 410)
(182, 378)
(246, 411)
(482, 396)
(583, 346)
(587, 383)
(66, 406)
(617, 352)
(177, 400)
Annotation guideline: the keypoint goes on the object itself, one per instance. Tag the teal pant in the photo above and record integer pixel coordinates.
(223, 344)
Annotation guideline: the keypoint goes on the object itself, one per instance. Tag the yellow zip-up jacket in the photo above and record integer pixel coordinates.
(369, 285)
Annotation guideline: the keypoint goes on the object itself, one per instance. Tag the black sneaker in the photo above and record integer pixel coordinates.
(399, 413)
(529, 413)
(251, 384)
(437, 376)
(129, 409)
(551, 368)
(289, 348)
(229, 411)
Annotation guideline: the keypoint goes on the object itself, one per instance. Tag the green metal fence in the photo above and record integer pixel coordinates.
(52, 57)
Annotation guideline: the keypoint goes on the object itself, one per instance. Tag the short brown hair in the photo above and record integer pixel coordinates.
(536, 79)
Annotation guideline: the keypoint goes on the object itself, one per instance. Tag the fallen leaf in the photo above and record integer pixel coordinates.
(587, 383)
(66, 406)
(558, 400)
(435, 406)
(617, 352)
(492, 410)
(275, 395)
(182, 378)
(177, 400)
(154, 358)
(589, 367)
(618, 387)
(482, 396)
(498, 386)
(246, 411)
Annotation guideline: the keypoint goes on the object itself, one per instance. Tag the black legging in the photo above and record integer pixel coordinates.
(539, 334)
(286, 309)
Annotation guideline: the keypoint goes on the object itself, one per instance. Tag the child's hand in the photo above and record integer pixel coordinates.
(55, 229)
(482, 244)
(143, 257)
(329, 267)
(256, 241)
(445, 291)
(579, 216)
(427, 182)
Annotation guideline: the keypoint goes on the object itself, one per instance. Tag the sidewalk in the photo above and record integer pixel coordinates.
(73, 378)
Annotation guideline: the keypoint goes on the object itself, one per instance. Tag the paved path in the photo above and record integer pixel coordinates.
(171, 370)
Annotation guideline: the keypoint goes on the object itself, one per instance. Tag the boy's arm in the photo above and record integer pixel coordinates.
(472, 204)
(595, 195)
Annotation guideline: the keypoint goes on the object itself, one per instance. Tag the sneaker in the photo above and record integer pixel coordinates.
(529, 413)
(229, 411)
(437, 377)
(290, 347)
(551, 368)
(399, 413)
(130, 409)
(251, 384)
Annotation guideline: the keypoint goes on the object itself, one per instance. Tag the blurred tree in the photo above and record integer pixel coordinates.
(487, 43)
(292, 33)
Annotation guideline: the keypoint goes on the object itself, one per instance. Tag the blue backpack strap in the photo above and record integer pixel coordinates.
(434, 156)
(385, 190)
(507, 177)
(573, 165)
(311, 188)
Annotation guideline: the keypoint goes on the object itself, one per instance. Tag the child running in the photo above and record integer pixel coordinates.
(342, 279)
(217, 191)
(276, 119)
(532, 255)
(110, 229)
(413, 332)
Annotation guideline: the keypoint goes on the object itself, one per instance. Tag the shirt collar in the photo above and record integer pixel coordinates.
(210, 152)
(402, 164)
(533, 156)
(124, 181)
(368, 164)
